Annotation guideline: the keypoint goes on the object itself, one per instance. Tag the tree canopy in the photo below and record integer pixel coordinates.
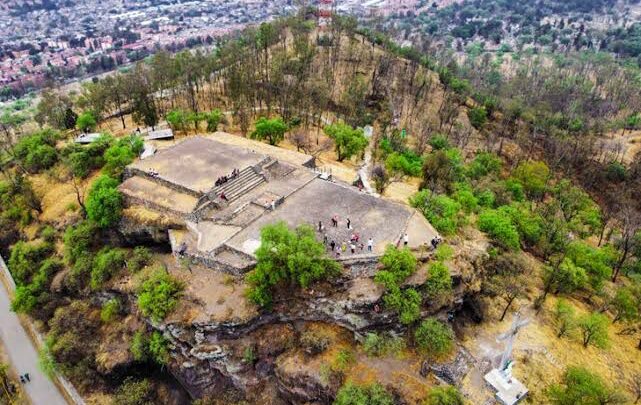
(348, 140)
(287, 256)
(273, 130)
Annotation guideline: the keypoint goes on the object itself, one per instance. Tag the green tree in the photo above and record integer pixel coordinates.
(594, 329)
(37, 151)
(434, 338)
(441, 169)
(500, 228)
(439, 281)
(447, 395)
(374, 394)
(348, 141)
(626, 305)
(442, 211)
(397, 265)
(581, 386)
(564, 318)
(177, 119)
(158, 294)
(86, 121)
(122, 153)
(287, 256)
(273, 130)
(477, 117)
(533, 175)
(104, 202)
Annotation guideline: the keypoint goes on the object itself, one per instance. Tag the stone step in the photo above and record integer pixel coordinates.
(247, 187)
(247, 172)
(241, 184)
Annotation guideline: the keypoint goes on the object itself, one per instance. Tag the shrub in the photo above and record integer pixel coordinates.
(78, 240)
(377, 345)
(439, 142)
(477, 117)
(139, 346)
(110, 310)
(158, 295)
(500, 228)
(616, 172)
(344, 358)
(139, 258)
(213, 118)
(374, 394)
(82, 160)
(107, 263)
(516, 189)
(406, 163)
(104, 202)
(133, 392)
(177, 118)
(434, 338)
(439, 281)
(447, 395)
(284, 255)
(36, 294)
(484, 163)
(314, 343)
(464, 195)
(26, 258)
(158, 350)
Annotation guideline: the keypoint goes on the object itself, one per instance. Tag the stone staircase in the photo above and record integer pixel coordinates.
(247, 180)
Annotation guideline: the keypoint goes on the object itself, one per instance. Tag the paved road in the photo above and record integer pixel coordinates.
(24, 356)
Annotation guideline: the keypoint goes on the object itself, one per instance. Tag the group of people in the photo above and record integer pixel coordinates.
(24, 378)
(153, 172)
(353, 244)
(224, 179)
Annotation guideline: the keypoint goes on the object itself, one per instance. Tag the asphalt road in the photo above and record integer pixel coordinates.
(24, 356)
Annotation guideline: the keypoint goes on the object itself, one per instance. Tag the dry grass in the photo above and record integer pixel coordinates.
(541, 357)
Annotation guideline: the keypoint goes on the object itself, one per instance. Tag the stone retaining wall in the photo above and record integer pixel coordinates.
(132, 171)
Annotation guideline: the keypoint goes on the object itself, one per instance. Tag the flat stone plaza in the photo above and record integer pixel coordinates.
(222, 219)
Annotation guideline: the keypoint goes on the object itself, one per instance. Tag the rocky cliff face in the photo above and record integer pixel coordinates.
(247, 355)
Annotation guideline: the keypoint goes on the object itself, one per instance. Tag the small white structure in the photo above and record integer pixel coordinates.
(149, 150)
(368, 131)
(159, 134)
(509, 390)
(87, 138)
